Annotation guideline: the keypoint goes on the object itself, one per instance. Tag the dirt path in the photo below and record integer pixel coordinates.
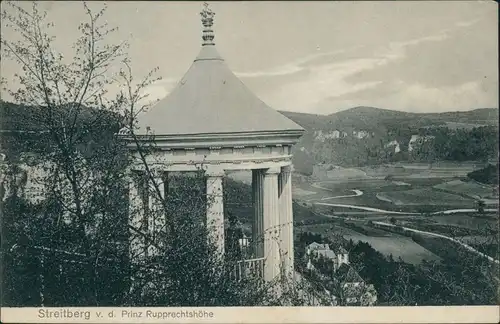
(366, 208)
(468, 247)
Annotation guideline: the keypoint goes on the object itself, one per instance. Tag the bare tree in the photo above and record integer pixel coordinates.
(69, 100)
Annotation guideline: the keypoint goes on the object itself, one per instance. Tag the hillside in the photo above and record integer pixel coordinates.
(24, 128)
(308, 121)
(371, 119)
(368, 135)
(20, 118)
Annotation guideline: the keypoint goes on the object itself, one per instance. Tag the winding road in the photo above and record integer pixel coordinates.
(468, 247)
(366, 208)
(358, 193)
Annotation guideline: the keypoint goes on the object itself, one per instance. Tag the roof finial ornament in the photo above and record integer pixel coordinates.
(207, 19)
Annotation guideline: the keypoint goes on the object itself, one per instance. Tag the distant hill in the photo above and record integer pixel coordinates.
(484, 116)
(371, 118)
(22, 118)
(24, 128)
(365, 135)
(308, 121)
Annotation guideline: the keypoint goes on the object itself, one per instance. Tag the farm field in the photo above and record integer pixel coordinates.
(422, 182)
(441, 173)
(346, 173)
(381, 171)
(466, 221)
(389, 195)
(299, 192)
(413, 188)
(369, 187)
(302, 213)
(427, 196)
(471, 189)
(366, 185)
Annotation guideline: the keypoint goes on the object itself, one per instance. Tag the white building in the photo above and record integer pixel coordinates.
(394, 144)
(338, 257)
(360, 134)
(212, 122)
(415, 139)
(322, 136)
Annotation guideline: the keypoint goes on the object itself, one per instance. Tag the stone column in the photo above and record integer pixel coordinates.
(215, 208)
(270, 204)
(137, 242)
(258, 218)
(286, 220)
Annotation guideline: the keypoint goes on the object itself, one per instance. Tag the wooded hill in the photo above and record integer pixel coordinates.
(24, 128)
(457, 136)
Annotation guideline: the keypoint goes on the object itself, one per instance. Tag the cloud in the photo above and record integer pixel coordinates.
(329, 80)
(322, 82)
(388, 76)
(329, 87)
(279, 71)
(417, 97)
(159, 90)
(293, 67)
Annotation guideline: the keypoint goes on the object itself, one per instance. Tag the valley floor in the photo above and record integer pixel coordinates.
(437, 201)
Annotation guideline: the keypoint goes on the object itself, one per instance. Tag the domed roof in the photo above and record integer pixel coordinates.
(210, 99)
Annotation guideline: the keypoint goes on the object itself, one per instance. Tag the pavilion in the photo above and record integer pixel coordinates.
(211, 120)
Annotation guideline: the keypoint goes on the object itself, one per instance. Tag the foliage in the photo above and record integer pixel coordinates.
(437, 140)
(488, 174)
(459, 279)
(303, 162)
(72, 249)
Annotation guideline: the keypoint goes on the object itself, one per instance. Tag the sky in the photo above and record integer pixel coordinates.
(316, 57)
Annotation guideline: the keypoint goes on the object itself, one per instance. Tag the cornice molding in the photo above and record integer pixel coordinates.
(218, 140)
(249, 159)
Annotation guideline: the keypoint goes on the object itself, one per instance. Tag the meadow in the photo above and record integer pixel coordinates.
(427, 196)
(468, 221)
(408, 187)
(393, 195)
(413, 188)
(470, 189)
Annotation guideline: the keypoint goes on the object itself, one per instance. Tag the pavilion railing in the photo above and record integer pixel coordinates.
(249, 268)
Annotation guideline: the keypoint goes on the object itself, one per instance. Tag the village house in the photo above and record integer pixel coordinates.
(354, 290)
(315, 250)
(361, 134)
(322, 136)
(415, 140)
